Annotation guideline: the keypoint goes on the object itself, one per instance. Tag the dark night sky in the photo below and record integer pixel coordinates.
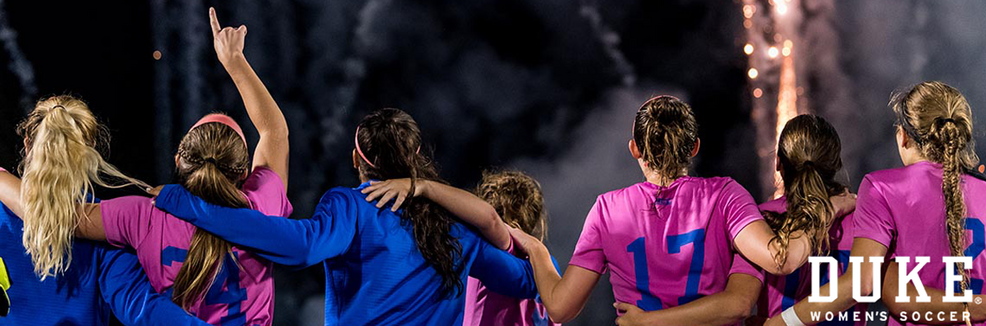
(549, 87)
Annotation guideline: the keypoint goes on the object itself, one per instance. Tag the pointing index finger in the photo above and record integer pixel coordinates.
(213, 21)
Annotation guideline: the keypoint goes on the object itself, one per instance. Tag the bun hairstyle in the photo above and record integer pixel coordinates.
(517, 197)
(389, 143)
(665, 131)
(61, 164)
(809, 152)
(213, 161)
(938, 120)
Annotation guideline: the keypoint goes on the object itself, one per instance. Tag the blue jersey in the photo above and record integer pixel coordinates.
(374, 273)
(100, 282)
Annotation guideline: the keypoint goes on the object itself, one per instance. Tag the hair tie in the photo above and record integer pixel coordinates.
(360, 151)
(945, 120)
(363, 156)
(210, 160)
(58, 106)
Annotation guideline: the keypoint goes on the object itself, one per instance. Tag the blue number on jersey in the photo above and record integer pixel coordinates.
(697, 239)
(229, 275)
(975, 248)
(791, 284)
(842, 256)
(793, 281)
(648, 301)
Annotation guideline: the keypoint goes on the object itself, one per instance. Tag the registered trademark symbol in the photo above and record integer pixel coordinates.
(979, 300)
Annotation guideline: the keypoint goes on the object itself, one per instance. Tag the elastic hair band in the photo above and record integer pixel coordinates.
(363, 156)
(360, 151)
(223, 119)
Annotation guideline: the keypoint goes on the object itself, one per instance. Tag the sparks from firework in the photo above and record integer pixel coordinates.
(771, 73)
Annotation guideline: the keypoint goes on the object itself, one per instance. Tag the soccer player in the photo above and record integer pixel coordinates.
(383, 266)
(670, 240)
(517, 199)
(101, 281)
(925, 208)
(206, 276)
(808, 158)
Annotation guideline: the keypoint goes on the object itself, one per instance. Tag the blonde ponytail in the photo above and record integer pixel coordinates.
(939, 121)
(951, 188)
(60, 167)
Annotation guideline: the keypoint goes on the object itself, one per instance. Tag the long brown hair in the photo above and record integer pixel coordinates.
(809, 152)
(666, 132)
(61, 164)
(391, 141)
(213, 161)
(938, 119)
(517, 197)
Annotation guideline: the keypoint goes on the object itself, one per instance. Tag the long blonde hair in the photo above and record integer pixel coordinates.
(61, 164)
(938, 120)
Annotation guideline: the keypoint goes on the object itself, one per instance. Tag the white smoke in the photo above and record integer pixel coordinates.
(595, 160)
(19, 65)
(610, 41)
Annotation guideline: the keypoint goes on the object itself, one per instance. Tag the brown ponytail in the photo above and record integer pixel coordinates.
(61, 164)
(666, 132)
(390, 139)
(809, 154)
(213, 160)
(939, 121)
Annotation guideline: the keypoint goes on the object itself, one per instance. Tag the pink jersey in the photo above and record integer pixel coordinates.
(782, 292)
(904, 209)
(666, 246)
(243, 294)
(488, 308)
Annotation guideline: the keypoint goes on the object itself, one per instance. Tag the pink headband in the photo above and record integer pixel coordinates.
(223, 119)
(360, 151)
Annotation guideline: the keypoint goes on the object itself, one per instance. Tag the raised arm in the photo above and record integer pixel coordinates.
(463, 204)
(300, 243)
(729, 307)
(563, 297)
(272, 150)
(125, 287)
